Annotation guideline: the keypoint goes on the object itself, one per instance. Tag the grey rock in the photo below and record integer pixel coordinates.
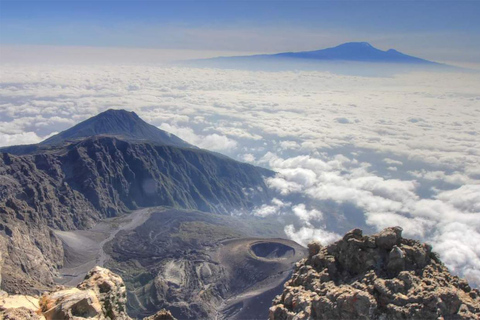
(354, 233)
(396, 260)
(389, 237)
(313, 248)
(396, 279)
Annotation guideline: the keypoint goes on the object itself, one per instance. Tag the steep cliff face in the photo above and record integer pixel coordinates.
(383, 276)
(72, 186)
(68, 185)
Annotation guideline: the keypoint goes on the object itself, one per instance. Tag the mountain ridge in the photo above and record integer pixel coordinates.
(72, 184)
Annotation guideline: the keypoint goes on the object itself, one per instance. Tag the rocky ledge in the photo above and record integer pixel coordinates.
(102, 295)
(382, 276)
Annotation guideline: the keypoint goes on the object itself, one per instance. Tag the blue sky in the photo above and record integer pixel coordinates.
(441, 30)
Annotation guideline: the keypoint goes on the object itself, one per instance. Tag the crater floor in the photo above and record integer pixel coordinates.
(197, 265)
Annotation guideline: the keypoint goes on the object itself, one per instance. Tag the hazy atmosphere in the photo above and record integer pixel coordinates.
(359, 150)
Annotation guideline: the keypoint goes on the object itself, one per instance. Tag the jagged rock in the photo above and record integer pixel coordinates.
(20, 313)
(71, 303)
(100, 296)
(396, 260)
(161, 315)
(19, 307)
(110, 290)
(314, 248)
(382, 276)
(388, 237)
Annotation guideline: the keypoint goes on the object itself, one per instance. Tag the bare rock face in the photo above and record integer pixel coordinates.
(382, 276)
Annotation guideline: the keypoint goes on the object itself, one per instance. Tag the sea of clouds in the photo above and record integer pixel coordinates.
(349, 150)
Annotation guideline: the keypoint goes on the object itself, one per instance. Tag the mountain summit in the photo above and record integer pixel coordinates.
(354, 51)
(121, 123)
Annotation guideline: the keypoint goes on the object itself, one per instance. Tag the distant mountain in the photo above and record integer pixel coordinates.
(355, 51)
(353, 58)
(351, 51)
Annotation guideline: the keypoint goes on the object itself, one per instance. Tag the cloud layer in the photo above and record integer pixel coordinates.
(374, 152)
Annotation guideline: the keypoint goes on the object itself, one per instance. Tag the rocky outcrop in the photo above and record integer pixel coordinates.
(102, 295)
(19, 307)
(382, 276)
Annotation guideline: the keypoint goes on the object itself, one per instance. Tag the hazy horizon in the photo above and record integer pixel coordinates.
(434, 30)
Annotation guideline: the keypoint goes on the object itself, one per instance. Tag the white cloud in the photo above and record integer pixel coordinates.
(289, 145)
(465, 198)
(307, 215)
(248, 157)
(326, 135)
(416, 227)
(217, 142)
(392, 161)
(455, 178)
(444, 220)
(213, 142)
(304, 235)
(19, 138)
(458, 244)
(276, 207)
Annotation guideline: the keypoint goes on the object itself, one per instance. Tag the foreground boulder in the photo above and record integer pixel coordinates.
(382, 276)
(102, 295)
